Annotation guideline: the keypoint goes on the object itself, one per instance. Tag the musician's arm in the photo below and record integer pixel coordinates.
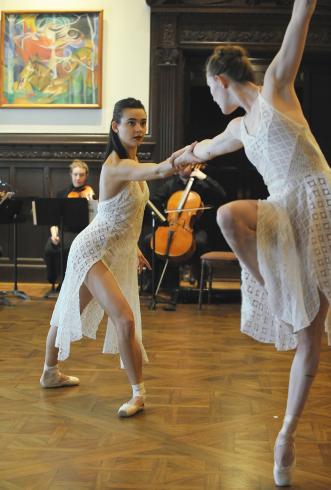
(161, 195)
(213, 189)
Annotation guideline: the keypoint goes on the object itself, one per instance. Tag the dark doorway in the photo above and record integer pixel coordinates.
(203, 119)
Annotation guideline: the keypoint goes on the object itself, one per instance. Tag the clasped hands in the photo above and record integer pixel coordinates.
(184, 157)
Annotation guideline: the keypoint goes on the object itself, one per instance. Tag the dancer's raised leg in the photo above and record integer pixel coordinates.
(237, 221)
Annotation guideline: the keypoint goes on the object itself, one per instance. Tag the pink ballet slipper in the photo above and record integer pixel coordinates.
(283, 474)
(54, 379)
(134, 406)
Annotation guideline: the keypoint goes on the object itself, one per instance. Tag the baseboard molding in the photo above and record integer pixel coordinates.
(26, 272)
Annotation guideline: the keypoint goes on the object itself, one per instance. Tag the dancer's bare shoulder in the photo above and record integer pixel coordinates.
(110, 183)
(234, 128)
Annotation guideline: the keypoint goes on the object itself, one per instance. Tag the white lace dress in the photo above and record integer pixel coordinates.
(111, 237)
(293, 231)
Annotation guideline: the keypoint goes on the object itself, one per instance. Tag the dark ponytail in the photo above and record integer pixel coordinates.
(114, 143)
(231, 61)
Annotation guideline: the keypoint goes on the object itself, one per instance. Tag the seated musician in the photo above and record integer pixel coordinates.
(52, 255)
(6, 192)
(212, 193)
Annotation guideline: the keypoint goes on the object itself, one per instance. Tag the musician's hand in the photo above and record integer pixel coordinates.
(6, 195)
(55, 239)
(198, 174)
(142, 262)
(89, 195)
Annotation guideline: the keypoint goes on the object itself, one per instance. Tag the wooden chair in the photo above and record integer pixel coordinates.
(210, 261)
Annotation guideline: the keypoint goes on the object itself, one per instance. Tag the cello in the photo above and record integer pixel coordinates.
(176, 241)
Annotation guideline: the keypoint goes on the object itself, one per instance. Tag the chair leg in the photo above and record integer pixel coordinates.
(210, 280)
(202, 277)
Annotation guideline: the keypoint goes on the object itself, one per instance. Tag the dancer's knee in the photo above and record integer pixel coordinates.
(125, 327)
(226, 220)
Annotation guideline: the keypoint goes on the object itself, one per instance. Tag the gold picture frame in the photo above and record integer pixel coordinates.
(51, 59)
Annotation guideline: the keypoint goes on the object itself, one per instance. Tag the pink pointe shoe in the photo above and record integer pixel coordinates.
(134, 406)
(283, 474)
(54, 379)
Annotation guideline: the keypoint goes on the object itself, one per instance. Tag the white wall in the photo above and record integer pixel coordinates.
(126, 45)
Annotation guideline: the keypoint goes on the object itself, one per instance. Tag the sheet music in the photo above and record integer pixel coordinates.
(34, 213)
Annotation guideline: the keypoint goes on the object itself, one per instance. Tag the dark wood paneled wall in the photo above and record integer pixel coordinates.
(37, 165)
(183, 34)
(180, 28)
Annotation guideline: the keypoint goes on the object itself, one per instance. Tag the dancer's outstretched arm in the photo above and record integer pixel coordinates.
(223, 143)
(128, 169)
(283, 69)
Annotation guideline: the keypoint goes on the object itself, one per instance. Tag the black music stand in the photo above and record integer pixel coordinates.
(155, 213)
(61, 212)
(9, 214)
(152, 304)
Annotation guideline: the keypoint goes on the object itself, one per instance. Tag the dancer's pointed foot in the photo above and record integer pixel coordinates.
(284, 464)
(53, 378)
(132, 407)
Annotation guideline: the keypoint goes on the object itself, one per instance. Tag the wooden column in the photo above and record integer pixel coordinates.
(166, 62)
(167, 101)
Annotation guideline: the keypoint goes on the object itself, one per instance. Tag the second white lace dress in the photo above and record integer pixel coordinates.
(111, 237)
(293, 231)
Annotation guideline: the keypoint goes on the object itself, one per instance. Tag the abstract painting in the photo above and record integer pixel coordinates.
(51, 59)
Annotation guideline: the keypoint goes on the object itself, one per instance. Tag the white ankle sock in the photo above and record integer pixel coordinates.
(138, 390)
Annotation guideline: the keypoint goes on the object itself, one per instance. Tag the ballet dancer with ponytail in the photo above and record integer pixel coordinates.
(283, 243)
(101, 274)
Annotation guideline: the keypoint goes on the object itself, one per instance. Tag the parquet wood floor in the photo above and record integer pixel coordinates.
(215, 400)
